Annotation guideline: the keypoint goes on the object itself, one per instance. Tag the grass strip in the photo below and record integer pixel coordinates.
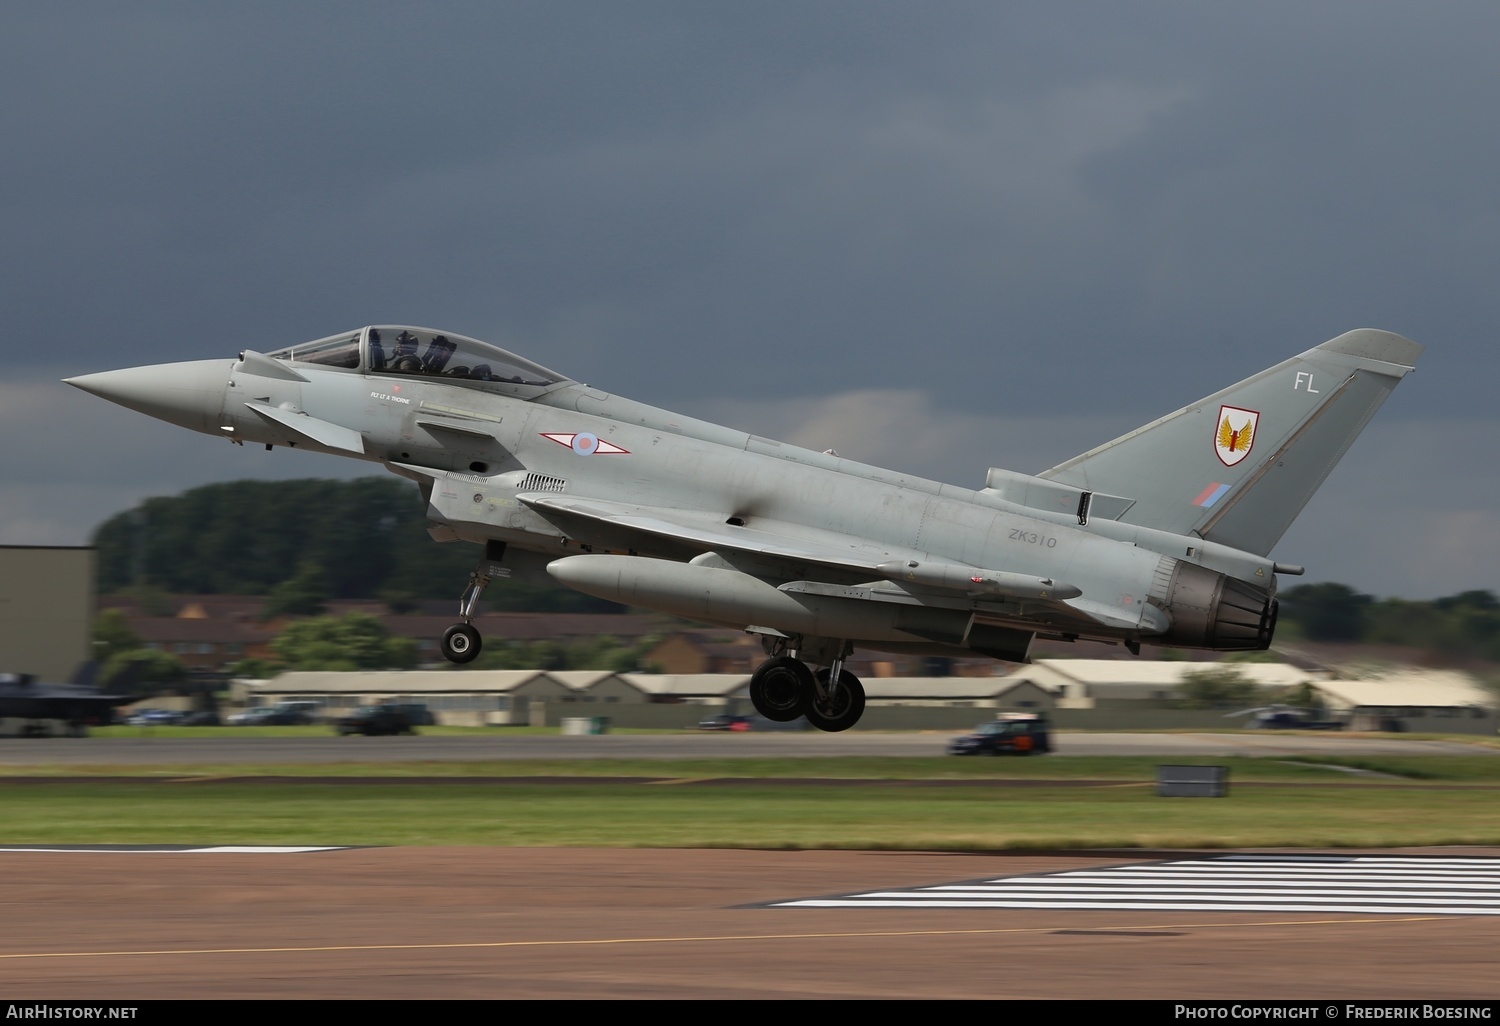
(763, 816)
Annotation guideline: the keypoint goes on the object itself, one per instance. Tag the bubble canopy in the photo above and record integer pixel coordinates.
(396, 349)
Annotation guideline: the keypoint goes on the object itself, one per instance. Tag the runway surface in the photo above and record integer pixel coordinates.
(161, 750)
(585, 923)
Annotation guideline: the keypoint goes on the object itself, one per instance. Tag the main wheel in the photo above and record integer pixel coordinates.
(461, 643)
(843, 707)
(780, 688)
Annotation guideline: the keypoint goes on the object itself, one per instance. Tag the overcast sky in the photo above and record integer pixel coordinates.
(938, 237)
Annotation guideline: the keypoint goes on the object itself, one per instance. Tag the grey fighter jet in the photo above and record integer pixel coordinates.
(1159, 536)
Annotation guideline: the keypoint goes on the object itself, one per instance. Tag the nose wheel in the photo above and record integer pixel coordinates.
(461, 643)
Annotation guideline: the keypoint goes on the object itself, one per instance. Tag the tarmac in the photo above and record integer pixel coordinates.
(492, 923)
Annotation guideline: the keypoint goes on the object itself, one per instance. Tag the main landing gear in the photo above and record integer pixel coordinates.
(461, 642)
(783, 688)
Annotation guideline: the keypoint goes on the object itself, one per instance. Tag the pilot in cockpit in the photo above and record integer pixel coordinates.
(404, 360)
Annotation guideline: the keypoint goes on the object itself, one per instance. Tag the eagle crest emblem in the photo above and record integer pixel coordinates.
(1234, 434)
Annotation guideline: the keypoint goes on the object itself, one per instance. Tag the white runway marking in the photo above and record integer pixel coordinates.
(1229, 883)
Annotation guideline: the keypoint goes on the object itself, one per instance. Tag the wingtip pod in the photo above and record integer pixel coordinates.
(1374, 344)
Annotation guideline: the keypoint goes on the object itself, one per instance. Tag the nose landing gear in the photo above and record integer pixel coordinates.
(461, 642)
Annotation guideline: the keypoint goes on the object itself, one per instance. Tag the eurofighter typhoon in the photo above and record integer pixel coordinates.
(1162, 535)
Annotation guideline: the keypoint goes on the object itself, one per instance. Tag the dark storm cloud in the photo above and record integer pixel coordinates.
(1029, 210)
(833, 188)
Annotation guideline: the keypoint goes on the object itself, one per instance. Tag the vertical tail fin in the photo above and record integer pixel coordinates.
(1238, 466)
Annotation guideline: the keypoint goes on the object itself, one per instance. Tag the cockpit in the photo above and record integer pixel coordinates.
(422, 352)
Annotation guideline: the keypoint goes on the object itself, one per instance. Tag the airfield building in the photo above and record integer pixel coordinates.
(46, 609)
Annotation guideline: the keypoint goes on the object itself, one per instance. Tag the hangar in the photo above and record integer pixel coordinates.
(474, 698)
(46, 609)
(1101, 683)
(1422, 701)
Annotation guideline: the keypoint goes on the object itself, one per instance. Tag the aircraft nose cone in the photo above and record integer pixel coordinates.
(190, 395)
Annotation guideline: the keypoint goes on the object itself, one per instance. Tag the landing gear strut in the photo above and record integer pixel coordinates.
(461, 642)
(783, 688)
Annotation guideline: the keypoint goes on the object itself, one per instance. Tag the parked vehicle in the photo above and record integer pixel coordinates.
(282, 714)
(154, 718)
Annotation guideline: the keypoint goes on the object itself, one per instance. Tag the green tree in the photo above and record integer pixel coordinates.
(1465, 625)
(368, 536)
(141, 671)
(112, 635)
(1215, 688)
(305, 593)
(126, 665)
(357, 641)
(600, 653)
(1327, 612)
(257, 669)
(1253, 657)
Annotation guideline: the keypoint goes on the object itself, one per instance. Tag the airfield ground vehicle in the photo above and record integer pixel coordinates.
(1293, 719)
(726, 722)
(417, 714)
(1007, 734)
(374, 720)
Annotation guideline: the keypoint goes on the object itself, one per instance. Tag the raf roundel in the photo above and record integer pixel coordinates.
(585, 443)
